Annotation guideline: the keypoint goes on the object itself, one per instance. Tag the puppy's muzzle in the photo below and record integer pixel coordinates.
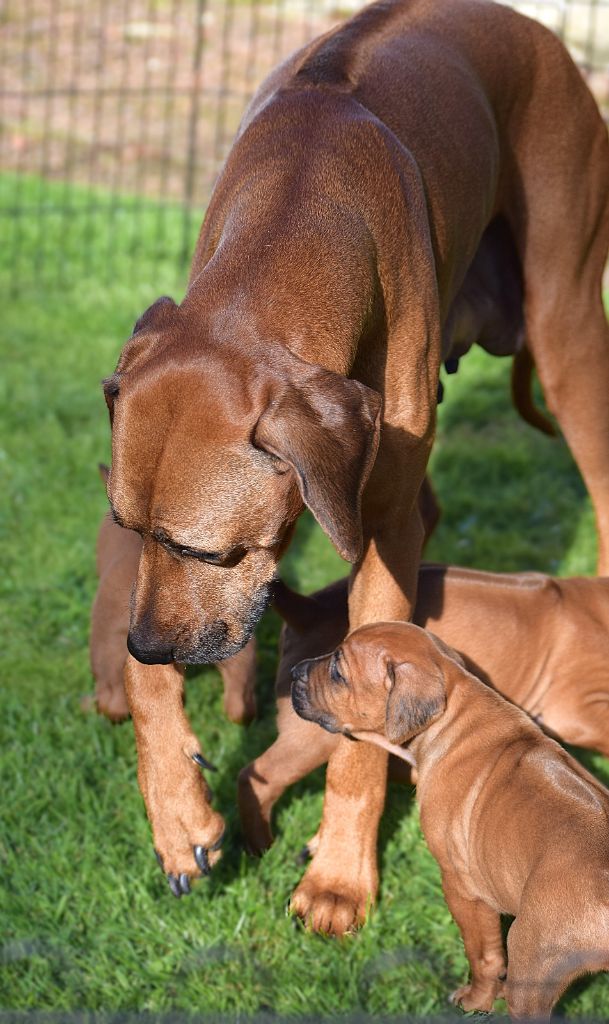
(302, 701)
(300, 689)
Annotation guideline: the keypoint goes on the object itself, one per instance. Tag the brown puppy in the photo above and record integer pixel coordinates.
(184, 825)
(385, 183)
(542, 642)
(516, 824)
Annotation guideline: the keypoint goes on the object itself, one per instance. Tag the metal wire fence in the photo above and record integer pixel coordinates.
(117, 114)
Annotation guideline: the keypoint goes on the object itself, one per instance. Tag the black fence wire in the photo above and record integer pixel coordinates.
(116, 115)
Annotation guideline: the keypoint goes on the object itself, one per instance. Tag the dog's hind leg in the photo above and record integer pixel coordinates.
(575, 380)
(562, 231)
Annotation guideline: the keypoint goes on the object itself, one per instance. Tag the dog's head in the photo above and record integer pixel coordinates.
(387, 678)
(216, 446)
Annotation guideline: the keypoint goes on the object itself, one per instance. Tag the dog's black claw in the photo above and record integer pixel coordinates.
(203, 763)
(202, 859)
(159, 859)
(174, 885)
(218, 843)
(184, 883)
(304, 855)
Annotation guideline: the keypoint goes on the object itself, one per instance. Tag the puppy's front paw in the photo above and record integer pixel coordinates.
(333, 908)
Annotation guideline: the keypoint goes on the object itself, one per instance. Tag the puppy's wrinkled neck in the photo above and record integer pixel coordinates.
(378, 740)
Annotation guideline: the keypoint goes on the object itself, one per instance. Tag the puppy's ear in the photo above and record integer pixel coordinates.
(326, 428)
(416, 698)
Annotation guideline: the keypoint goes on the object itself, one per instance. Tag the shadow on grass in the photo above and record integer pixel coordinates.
(511, 497)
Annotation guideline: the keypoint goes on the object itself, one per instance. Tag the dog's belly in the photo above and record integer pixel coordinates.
(488, 309)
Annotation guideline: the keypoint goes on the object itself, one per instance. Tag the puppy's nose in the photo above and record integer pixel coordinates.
(149, 654)
(300, 672)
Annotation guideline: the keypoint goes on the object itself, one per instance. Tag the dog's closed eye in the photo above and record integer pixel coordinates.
(335, 674)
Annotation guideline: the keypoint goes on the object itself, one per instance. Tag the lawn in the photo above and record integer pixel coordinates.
(87, 921)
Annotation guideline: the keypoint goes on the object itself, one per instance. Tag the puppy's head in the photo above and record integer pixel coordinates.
(217, 442)
(386, 678)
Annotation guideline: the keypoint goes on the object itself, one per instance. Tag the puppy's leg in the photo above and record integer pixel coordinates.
(537, 973)
(187, 832)
(559, 935)
(239, 678)
(480, 927)
(299, 749)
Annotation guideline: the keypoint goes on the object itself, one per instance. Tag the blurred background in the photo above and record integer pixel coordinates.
(117, 114)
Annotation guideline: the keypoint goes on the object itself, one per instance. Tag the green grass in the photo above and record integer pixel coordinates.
(86, 919)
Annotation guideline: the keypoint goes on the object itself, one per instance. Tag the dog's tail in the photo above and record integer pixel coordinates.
(522, 373)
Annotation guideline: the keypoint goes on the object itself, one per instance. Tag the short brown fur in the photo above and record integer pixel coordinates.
(515, 823)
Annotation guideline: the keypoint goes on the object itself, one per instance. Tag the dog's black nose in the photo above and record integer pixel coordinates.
(300, 672)
(149, 654)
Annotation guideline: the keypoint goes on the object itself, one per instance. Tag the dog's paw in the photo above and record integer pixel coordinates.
(335, 909)
(240, 708)
(199, 862)
(473, 997)
(187, 850)
(254, 813)
(112, 703)
(108, 702)
(187, 832)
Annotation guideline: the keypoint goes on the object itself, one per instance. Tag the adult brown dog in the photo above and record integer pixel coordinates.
(541, 642)
(515, 823)
(385, 183)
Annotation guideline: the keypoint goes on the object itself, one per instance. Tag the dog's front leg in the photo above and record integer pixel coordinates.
(341, 882)
(186, 831)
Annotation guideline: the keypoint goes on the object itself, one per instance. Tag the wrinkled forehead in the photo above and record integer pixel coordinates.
(185, 463)
(391, 641)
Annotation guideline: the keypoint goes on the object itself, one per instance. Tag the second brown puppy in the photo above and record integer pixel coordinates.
(515, 823)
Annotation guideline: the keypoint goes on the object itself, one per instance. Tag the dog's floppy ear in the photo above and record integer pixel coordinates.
(152, 322)
(416, 698)
(326, 428)
(157, 317)
(154, 318)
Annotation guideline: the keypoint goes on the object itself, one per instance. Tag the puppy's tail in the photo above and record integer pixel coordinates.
(522, 373)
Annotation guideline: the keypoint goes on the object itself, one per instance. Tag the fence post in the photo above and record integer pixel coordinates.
(191, 160)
